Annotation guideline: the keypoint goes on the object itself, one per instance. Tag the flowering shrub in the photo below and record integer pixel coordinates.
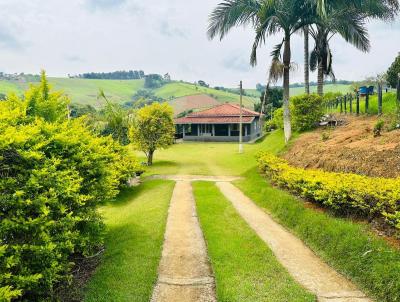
(367, 196)
(54, 173)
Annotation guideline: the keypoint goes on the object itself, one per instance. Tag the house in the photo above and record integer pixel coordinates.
(219, 124)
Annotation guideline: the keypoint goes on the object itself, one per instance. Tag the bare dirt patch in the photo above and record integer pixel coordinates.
(198, 101)
(349, 148)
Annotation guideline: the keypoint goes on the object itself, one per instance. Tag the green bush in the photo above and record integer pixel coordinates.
(343, 192)
(54, 174)
(277, 119)
(307, 111)
(378, 127)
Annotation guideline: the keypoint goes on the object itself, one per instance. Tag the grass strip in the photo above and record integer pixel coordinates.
(245, 268)
(347, 246)
(136, 224)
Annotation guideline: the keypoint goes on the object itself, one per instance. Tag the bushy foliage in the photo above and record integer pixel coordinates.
(343, 192)
(153, 128)
(378, 127)
(276, 122)
(54, 173)
(307, 111)
(153, 81)
(393, 72)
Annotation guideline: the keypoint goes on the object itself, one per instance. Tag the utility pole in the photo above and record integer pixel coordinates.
(241, 120)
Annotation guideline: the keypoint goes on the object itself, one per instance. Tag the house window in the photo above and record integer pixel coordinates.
(235, 127)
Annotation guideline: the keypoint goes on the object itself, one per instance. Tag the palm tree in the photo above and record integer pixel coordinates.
(347, 22)
(347, 19)
(306, 31)
(267, 17)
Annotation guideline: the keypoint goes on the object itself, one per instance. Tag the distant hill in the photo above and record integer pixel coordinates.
(85, 91)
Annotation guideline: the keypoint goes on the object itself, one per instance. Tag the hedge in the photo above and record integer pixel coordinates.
(343, 192)
(54, 173)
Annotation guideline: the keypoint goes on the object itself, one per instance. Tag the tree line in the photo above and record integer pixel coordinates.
(115, 75)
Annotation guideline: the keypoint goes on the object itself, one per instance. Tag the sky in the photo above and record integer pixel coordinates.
(159, 36)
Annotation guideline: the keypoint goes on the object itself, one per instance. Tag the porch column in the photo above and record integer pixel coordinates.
(183, 130)
(213, 130)
(245, 130)
(229, 129)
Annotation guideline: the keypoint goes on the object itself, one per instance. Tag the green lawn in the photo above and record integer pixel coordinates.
(349, 247)
(135, 232)
(212, 158)
(245, 268)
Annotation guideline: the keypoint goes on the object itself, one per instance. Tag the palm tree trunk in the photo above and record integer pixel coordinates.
(287, 127)
(320, 79)
(306, 60)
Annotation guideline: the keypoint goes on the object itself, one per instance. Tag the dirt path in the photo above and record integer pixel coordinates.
(185, 273)
(299, 260)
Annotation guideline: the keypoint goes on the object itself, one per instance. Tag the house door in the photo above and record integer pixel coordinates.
(206, 130)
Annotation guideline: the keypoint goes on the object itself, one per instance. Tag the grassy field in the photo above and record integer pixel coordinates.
(351, 248)
(135, 232)
(300, 90)
(327, 88)
(85, 91)
(388, 104)
(244, 267)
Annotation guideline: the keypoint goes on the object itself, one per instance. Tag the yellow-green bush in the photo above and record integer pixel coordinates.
(343, 192)
(54, 174)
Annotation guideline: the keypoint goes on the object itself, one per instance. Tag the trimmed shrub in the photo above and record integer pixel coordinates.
(307, 111)
(54, 174)
(343, 192)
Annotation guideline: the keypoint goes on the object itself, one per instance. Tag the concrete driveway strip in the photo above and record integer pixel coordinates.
(184, 273)
(308, 269)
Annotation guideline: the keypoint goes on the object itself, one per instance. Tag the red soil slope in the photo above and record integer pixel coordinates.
(199, 101)
(349, 148)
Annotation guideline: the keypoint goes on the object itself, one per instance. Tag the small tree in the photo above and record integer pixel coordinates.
(393, 72)
(153, 128)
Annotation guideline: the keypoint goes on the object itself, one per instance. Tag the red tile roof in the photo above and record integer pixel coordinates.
(222, 114)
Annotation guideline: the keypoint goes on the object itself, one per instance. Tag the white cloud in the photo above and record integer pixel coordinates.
(159, 36)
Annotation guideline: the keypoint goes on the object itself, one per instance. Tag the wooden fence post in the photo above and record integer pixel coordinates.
(358, 104)
(351, 104)
(345, 104)
(367, 102)
(380, 98)
(341, 105)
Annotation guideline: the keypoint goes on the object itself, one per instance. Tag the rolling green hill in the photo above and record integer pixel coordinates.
(85, 91)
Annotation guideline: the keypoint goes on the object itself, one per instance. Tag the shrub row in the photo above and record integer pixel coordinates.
(54, 173)
(346, 193)
(306, 112)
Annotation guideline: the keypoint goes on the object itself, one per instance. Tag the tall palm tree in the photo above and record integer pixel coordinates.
(348, 19)
(306, 31)
(267, 17)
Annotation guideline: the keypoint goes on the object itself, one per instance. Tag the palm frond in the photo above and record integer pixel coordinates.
(351, 26)
(231, 13)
